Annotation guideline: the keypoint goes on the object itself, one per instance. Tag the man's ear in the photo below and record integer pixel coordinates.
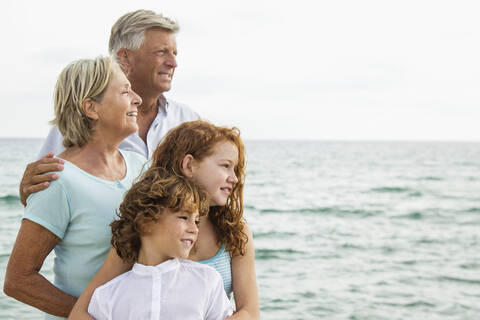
(188, 165)
(124, 59)
(89, 107)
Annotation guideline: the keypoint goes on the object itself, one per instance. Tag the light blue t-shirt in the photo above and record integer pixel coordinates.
(78, 208)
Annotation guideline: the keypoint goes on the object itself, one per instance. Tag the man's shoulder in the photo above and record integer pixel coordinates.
(182, 110)
(52, 143)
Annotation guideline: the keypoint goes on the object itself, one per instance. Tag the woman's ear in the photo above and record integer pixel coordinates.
(188, 165)
(89, 107)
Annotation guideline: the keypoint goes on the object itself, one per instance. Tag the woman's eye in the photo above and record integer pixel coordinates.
(183, 217)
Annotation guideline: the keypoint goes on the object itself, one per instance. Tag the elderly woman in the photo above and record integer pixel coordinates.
(95, 109)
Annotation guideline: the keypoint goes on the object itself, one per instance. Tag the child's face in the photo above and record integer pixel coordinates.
(173, 235)
(216, 173)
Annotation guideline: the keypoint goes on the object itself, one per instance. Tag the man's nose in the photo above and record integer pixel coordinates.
(171, 61)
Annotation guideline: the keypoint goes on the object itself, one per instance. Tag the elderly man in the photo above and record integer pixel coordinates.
(143, 42)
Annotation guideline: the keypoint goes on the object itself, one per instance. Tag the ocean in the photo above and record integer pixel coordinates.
(342, 230)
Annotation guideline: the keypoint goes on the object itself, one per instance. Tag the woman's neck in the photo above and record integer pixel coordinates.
(97, 158)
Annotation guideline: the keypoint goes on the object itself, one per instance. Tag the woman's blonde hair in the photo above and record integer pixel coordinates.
(198, 139)
(81, 79)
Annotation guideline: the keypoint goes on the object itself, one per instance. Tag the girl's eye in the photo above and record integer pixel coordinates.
(183, 217)
(197, 222)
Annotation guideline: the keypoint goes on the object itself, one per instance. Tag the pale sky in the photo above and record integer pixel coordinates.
(329, 70)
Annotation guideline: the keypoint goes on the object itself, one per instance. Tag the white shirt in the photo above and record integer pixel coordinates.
(169, 116)
(174, 289)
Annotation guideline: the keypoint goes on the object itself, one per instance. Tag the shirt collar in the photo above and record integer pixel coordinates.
(163, 104)
(159, 268)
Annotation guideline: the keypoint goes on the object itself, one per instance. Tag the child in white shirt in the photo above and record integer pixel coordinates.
(157, 227)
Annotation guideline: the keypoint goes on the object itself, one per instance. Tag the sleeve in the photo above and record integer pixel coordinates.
(53, 143)
(97, 308)
(50, 208)
(189, 114)
(139, 163)
(218, 306)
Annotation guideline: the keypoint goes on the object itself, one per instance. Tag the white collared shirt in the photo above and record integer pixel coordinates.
(168, 117)
(174, 289)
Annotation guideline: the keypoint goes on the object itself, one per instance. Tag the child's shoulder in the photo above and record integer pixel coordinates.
(115, 282)
(198, 267)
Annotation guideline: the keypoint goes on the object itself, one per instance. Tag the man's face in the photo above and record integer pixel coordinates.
(153, 65)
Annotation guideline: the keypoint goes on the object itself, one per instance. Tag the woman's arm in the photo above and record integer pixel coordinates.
(244, 283)
(23, 280)
(112, 267)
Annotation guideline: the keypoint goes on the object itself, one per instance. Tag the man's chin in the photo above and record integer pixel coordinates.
(164, 87)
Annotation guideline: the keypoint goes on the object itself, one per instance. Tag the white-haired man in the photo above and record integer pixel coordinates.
(143, 42)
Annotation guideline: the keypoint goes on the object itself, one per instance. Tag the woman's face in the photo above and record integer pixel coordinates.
(216, 173)
(117, 112)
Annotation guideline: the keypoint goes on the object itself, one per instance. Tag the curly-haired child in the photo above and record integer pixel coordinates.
(156, 229)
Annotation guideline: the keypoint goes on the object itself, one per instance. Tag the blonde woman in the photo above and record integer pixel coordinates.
(95, 110)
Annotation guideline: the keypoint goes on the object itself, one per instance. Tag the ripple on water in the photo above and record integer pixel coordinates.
(459, 280)
(306, 294)
(271, 254)
(274, 234)
(414, 215)
(334, 210)
(473, 210)
(419, 304)
(470, 266)
(10, 198)
(391, 190)
(430, 178)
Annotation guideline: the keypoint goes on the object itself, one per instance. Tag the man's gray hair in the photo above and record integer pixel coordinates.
(129, 30)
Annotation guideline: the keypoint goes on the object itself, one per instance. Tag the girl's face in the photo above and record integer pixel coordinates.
(216, 173)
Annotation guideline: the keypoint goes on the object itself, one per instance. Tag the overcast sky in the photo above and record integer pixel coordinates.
(343, 69)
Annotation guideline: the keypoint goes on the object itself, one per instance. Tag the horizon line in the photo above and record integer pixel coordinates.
(309, 140)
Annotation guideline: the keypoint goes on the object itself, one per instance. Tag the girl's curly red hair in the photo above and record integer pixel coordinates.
(198, 139)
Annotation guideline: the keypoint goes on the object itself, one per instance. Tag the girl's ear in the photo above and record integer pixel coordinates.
(89, 107)
(188, 165)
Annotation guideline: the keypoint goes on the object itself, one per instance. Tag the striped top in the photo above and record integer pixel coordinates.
(223, 264)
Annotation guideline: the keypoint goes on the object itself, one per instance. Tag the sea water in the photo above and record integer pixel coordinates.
(342, 230)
